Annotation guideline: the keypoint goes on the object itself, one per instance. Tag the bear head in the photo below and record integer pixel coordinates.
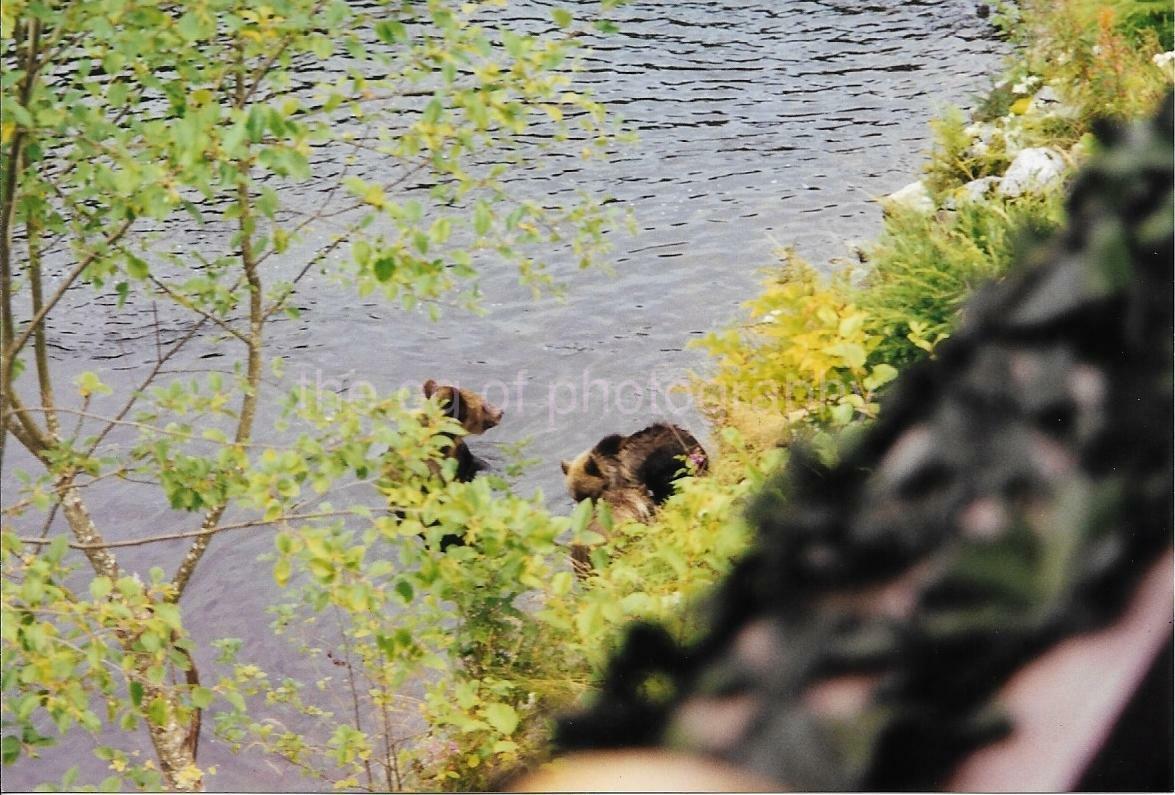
(475, 413)
(593, 471)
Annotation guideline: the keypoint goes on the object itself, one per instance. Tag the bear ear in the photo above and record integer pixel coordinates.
(563, 466)
(609, 445)
(430, 386)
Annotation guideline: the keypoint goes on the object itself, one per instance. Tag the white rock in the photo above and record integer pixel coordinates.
(1166, 62)
(977, 190)
(914, 196)
(1033, 171)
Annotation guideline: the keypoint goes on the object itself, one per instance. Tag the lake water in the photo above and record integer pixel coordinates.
(761, 124)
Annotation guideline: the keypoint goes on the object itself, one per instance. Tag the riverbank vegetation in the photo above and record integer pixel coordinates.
(440, 669)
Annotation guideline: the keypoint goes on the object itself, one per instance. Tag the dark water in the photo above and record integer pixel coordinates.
(761, 124)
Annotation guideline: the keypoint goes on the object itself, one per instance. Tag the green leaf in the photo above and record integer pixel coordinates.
(881, 374)
(157, 711)
(136, 268)
(561, 16)
(235, 698)
(281, 571)
(482, 218)
(136, 689)
(842, 413)
(9, 749)
(170, 615)
(202, 697)
(112, 62)
(561, 583)
(580, 517)
(322, 569)
(18, 114)
(56, 550)
(214, 435)
(383, 268)
(273, 511)
(88, 383)
(25, 707)
(440, 230)
(432, 111)
(852, 353)
(502, 717)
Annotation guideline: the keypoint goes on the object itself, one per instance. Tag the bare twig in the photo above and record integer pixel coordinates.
(16, 507)
(158, 343)
(355, 712)
(137, 542)
(148, 427)
(186, 304)
(134, 396)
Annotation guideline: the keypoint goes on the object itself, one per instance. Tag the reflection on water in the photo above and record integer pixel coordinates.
(760, 123)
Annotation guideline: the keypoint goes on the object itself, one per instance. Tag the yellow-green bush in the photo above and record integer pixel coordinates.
(807, 356)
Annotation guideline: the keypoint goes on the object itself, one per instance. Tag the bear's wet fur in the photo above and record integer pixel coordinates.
(652, 458)
(476, 415)
(658, 455)
(634, 474)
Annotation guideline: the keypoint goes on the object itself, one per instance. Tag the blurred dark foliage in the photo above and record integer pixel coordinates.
(1014, 490)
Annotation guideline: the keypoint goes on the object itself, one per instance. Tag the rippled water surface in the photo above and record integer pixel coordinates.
(760, 123)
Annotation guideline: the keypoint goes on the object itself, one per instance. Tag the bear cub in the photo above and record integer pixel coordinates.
(633, 474)
(476, 415)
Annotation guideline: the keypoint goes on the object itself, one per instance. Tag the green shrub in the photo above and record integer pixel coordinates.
(1099, 53)
(925, 266)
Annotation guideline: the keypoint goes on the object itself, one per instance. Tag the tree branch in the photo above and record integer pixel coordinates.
(40, 353)
(186, 304)
(246, 224)
(7, 213)
(137, 542)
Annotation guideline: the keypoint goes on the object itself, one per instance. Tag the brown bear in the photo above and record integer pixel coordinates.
(633, 474)
(476, 415)
(652, 458)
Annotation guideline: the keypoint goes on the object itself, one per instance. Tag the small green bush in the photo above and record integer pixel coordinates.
(955, 158)
(925, 266)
